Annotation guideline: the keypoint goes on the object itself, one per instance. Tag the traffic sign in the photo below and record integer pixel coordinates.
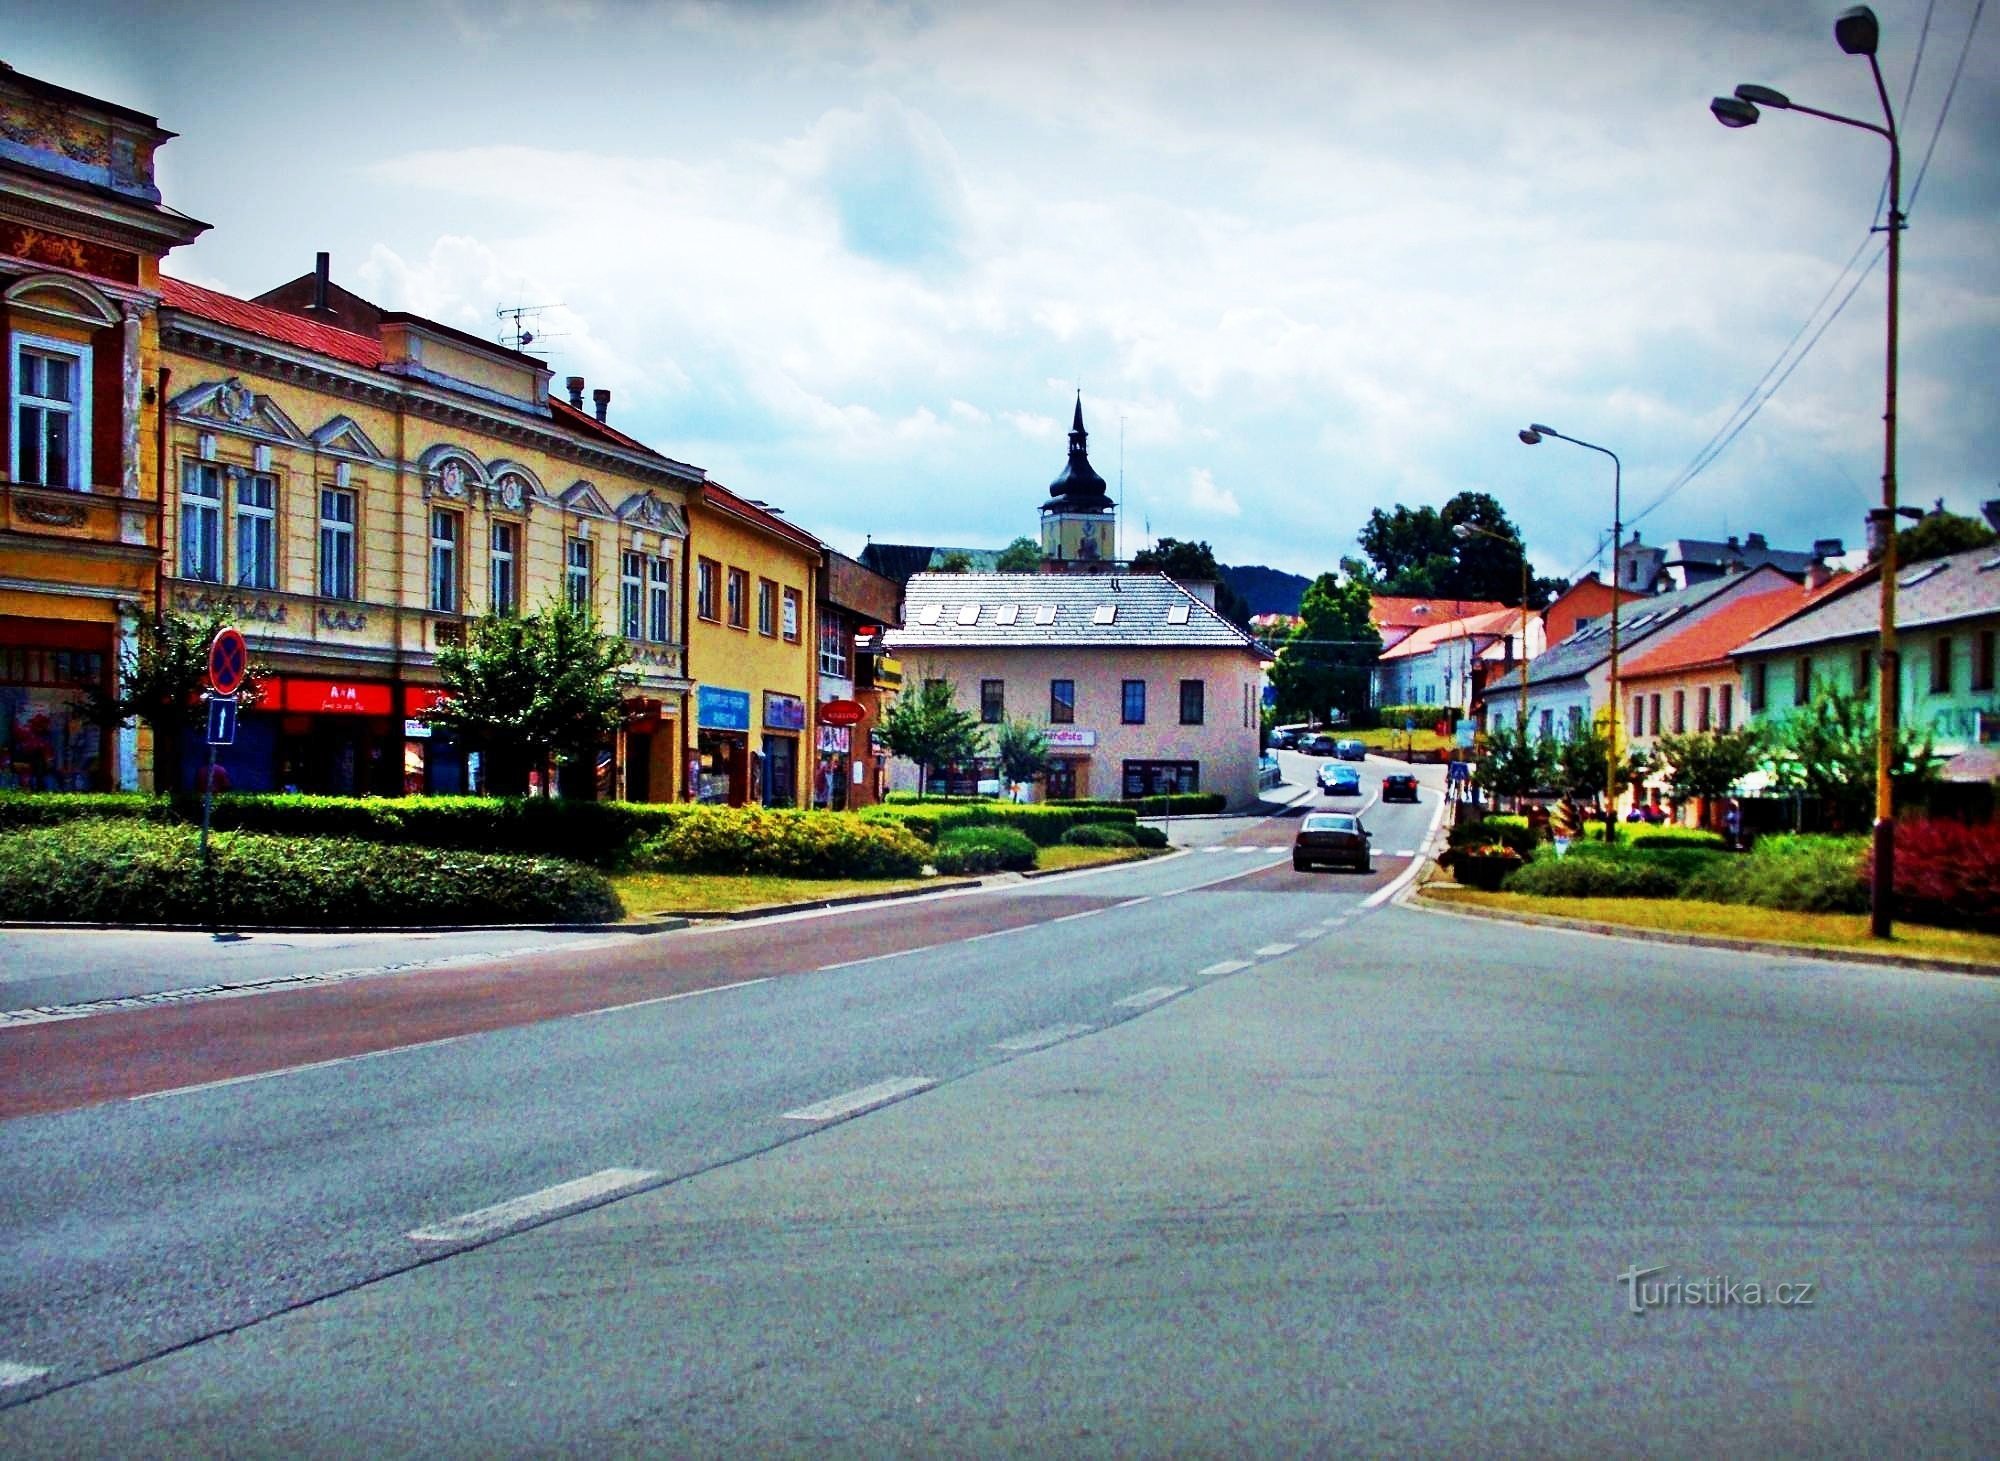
(222, 720)
(228, 660)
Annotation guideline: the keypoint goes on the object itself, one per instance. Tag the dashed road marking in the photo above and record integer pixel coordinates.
(517, 1210)
(1151, 996)
(15, 1374)
(1271, 951)
(1306, 935)
(853, 1103)
(1073, 917)
(1040, 1039)
(1133, 902)
(1227, 966)
(639, 1004)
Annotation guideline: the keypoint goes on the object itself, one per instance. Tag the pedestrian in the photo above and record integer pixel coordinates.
(1732, 823)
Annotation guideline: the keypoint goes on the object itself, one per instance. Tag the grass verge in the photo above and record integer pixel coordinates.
(1067, 859)
(650, 893)
(1383, 738)
(1736, 920)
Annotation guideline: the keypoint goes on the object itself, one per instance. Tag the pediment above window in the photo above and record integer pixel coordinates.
(583, 497)
(643, 509)
(343, 437)
(229, 405)
(61, 297)
(452, 474)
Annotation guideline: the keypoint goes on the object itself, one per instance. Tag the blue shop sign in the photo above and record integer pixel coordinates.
(718, 709)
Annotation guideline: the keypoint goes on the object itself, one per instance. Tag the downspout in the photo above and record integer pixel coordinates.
(160, 488)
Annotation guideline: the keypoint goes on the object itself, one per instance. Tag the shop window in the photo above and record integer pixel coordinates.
(1161, 778)
(660, 600)
(1193, 694)
(576, 574)
(788, 619)
(201, 522)
(502, 554)
(992, 701)
(46, 742)
(336, 543)
(1062, 702)
(767, 607)
(1132, 702)
(739, 599)
(707, 585)
(1941, 665)
(51, 412)
(444, 561)
(631, 594)
(256, 531)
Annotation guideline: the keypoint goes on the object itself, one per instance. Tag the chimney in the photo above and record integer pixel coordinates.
(1828, 547)
(1818, 575)
(1756, 543)
(575, 386)
(322, 270)
(1732, 541)
(601, 399)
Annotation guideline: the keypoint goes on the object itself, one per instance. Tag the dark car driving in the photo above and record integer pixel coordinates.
(1399, 786)
(1337, 838)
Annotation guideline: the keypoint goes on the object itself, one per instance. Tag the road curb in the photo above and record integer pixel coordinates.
(662, 923)
(1835, 954)
(847, 900)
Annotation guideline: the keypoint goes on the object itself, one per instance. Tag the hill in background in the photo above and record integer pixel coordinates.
(1266, 590)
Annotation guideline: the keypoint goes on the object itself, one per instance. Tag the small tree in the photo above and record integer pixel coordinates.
(956, 561)
(1516, 763)
(928, 727)
(1580, 766)
(534, 691)
(160, 684)
(1023, 748)
(1708, 764)
(1023, 555)
(1825, 750)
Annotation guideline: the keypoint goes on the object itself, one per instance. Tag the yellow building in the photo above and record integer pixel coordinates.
(752, 646)
(82, 232)
(354, 486)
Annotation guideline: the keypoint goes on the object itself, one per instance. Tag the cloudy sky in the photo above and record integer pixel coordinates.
(1307, 259)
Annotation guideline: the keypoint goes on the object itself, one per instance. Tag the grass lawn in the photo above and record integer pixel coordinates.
(1736, 920)
(1051, 859)
(1382, 738)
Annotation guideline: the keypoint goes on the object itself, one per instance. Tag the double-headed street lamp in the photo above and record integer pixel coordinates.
(1857, 33)
(1463, 531)
(1533, 437)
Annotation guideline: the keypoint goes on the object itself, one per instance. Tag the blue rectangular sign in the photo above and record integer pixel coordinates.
(719, 709)
(222, 720)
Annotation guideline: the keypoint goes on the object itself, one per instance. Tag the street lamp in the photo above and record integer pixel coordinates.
(1533, 437)
(1464, 531)
(1857, 33)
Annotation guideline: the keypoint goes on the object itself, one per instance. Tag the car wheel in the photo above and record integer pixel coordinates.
(1299, 864)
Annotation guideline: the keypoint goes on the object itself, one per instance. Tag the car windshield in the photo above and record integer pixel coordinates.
(1329, 822)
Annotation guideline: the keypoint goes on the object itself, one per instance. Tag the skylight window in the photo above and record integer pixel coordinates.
(1918, 574)
(1104, 614)
(1177, 613)
(968, 613)
(1007, 614)
(930, 613)
(1045, 614)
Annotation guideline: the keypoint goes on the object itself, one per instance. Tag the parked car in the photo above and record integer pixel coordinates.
(1282, 739)
(1350, 750)
(1337, 838)
(1399, 786)
(1337, 780)
(1316, 745)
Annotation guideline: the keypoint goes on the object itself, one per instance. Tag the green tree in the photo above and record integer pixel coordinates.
(1825, 751)
(160, 684)
(1708, 764)
(1023, 555)
(956, 561)
(928, 727)
(534, 691)
(1191, 562)
(1323, 664)
(1937, 534)
(1023, 748)
(1580, 765)
(1516, 763)
(1420, 553)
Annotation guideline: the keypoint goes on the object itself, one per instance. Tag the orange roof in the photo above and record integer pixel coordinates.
(1400, 612)
(1497, 622)
(272, 324)
(1707, 643)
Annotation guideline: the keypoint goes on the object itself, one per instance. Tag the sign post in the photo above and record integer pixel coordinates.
(228, 663)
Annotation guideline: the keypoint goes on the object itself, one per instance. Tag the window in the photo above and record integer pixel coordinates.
(707, 585)
(992, 701)
(576, 574)
(1982, 660)
(1192, 707)
(1755, 685)
(336, 543)
(444, 561)
(1658, 724)
(505, 586)
(201, 522)
(256, 531)
(1548, 723)
(767, 606)
(1133, 700)
(1702, 708)
(1062, 702)
(836, 649)
(739, 599)
(51, 413)
(1639, 716)
(1725, 718)
(631, 594)
(1575, 721)
(788, 620)
(1941, 665)
(1802, 680)
(660, 600)
(1680, 712)
(1159, 778)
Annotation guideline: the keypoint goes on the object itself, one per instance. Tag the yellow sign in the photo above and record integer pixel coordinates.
(889, 673)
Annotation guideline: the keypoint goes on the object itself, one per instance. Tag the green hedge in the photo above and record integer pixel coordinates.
(1042, 822)
(101, 870)
(1494, 832)
(1806, 874)
(791, 843)
(1181, 803)
(983, 850)
(1095, 836)
(1149, 837)
(1594, 877)
(1425, 716)
(1634, 835)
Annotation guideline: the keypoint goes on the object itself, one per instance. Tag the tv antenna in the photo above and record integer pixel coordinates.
(523, 326)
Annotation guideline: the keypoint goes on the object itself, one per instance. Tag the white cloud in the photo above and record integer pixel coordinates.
(1208, 499)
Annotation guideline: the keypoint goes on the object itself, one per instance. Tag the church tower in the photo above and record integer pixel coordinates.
(1079, 528)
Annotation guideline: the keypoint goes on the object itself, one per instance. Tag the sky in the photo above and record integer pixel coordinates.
(1302, 260)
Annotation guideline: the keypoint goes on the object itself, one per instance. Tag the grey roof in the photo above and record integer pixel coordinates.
(1939, 591)
(1145, 608)
(1638, 621)
(1717, 555)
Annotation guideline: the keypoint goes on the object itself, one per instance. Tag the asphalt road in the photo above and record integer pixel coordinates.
(1211, 1158)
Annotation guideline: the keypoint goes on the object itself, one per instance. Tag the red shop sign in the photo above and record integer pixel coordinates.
(336, 697)
(418, 699)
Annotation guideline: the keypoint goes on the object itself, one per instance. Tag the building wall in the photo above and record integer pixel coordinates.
(1953, 716)
(1225, 745)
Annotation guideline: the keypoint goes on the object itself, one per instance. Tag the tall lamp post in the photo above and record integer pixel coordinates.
(1857, 32)
(1533, 437)
(1463, 531)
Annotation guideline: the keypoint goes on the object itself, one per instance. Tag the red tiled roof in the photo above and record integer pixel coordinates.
(1496, 622)
(582, 421)
(272, 324)
(1391, 609)
(1708, 642)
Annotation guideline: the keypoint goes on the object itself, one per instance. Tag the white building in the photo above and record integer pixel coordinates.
(1446, 664)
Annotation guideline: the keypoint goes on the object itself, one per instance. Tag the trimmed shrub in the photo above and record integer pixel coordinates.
(1494, 832)
(1805, 874)
(790, 843)
(983, 850)
(1042, 823)
(1095, 836)
(100, 870)
(1181, 803)
(1636, 835)
(1594, 877)
(1481, 865)
(1947, 873)
(1151, 838)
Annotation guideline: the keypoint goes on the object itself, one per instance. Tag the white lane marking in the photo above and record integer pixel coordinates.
(264, 1075)
(1406, 852)
(1151, 996)
(1335, 921)
(13, 1374)
(639, 1004)
(1271, 951)
(1039, 1039)
(978, 937)
(1073, 917)
(853, 1103)
(1133, 902)
(872, 958)
(516, 1210)
(1227, 966)
(1306, 935)
(1211, 849)
(1409, 874)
